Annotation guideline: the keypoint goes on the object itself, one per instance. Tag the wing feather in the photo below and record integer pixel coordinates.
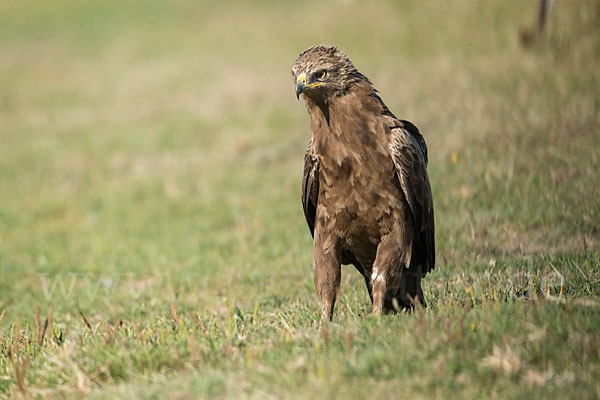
(310, 187)
(409, 153)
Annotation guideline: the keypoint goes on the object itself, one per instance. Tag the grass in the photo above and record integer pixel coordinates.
(152, 243)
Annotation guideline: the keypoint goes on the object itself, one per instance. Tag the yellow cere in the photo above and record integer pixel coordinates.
(302, 78)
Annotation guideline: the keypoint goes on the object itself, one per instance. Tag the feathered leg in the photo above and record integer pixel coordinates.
(409, 293)
(386, 273)
(389, 269)
(326, 272)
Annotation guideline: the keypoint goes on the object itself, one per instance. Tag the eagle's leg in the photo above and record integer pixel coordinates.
(409, 293)
(326, 271)
(387, 278)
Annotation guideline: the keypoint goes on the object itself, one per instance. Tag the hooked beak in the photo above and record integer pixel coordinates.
(300, 84)
(299, 89)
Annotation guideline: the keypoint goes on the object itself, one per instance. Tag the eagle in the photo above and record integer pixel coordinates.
(365, 189)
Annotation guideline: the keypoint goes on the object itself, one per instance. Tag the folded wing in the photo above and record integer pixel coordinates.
(409, 153)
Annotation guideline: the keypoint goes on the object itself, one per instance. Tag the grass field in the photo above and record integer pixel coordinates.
(150, 166)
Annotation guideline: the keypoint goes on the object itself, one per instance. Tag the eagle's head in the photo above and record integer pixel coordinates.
(323, 71)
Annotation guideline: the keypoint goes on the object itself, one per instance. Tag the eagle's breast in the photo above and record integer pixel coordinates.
(359, 197)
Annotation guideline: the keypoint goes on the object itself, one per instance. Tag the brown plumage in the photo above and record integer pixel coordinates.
(365, 189)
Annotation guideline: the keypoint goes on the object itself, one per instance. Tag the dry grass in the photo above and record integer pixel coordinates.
(150, 162)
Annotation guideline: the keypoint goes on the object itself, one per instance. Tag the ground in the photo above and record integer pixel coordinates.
(150, 174)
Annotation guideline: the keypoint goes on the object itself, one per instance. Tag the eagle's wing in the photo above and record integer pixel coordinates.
(310, 186)
(409, 153)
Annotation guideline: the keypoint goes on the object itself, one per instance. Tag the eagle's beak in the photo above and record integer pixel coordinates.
(300, 84)
(299, 89)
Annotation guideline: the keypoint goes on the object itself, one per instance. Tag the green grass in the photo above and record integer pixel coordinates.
(150, 160)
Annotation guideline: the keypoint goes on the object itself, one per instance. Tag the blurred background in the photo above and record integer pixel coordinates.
(151, 154)
(151, 137)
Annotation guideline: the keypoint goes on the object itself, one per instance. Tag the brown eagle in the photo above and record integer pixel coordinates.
(365, 190)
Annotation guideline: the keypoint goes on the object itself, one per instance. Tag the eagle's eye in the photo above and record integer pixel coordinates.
(321, 74)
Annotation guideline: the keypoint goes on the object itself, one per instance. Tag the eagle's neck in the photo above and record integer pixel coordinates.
(323, 136)
(336, 136)
(318, 111)
(326, 112)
